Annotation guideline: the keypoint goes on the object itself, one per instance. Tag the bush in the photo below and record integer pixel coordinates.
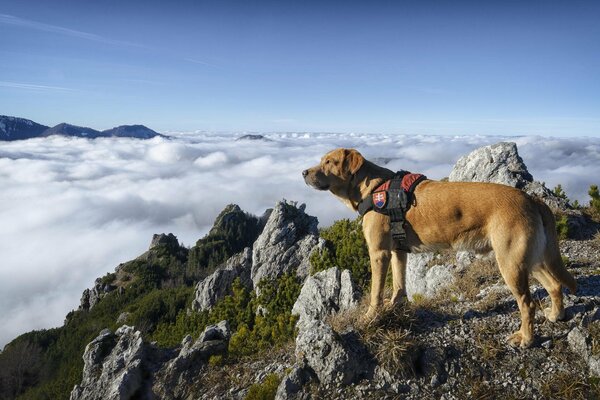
(595, 201)
(562, 227)
(559, 192)
(345, 248)
(265, 390)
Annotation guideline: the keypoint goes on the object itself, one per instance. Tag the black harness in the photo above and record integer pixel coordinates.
(393, 198)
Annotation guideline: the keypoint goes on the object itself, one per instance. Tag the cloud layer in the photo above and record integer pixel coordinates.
(71, 209)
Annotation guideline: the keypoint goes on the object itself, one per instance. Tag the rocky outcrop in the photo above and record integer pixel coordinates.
(91, 297)
(321, 350)
(168, 240)
(324, 293)
(285, 244)
(174, 378)
(218, 285)
(288, 236)
(122, 366)
(497, 163)
(501, 163)
(112, 366)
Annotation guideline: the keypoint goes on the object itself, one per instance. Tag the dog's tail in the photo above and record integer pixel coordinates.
(552, 259)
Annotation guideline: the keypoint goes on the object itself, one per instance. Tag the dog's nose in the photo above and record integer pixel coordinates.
(304, 173)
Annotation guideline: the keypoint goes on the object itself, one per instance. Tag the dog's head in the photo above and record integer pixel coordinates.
(335, 169)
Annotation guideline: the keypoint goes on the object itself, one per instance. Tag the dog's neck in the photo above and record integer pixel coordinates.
(362, 184)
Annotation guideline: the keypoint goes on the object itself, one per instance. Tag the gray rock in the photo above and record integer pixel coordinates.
(91, 297)
(578, 342)
(175, 377)
(112, 366)
(498, 163)
(324, 352)
(425, 279)
(285, 244)
(292, 384)
(324, 293)
(168, 240)
(220, 331)
(218, 285)
(501, 163)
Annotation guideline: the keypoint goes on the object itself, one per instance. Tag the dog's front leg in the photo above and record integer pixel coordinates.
(377, 236)
(399, 274)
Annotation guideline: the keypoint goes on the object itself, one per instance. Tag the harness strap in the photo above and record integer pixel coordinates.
(393, 198)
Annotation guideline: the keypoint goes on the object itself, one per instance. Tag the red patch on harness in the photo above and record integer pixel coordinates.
(379, 199)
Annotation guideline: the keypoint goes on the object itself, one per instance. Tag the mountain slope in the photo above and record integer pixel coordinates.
(13, 128)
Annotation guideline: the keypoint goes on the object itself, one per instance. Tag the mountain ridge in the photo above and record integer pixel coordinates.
(17, 128)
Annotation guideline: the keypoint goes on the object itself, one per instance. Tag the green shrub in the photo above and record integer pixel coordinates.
(595, 201)
(562, 227)
(345, 248)
(265, 390)
(559, 192)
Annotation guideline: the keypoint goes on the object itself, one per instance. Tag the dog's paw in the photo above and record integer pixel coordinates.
(371, 314)
(518, 340)
(397, 301)
(553, 317)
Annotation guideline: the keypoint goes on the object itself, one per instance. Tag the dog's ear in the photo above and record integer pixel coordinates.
(353, 160)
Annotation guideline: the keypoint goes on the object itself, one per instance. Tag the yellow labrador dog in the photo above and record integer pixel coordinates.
(471, 216)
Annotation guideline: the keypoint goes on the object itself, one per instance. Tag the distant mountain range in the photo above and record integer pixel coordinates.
(13, 128)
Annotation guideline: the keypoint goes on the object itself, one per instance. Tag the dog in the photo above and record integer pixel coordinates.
(474, 216)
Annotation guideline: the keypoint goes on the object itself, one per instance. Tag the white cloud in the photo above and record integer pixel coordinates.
(73, 209)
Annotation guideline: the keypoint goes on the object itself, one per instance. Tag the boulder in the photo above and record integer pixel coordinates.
(324, 293)
(425, 276)
(324, 352)
(501, 163)
(218, 285)
(498, 163)
(292, 384)
(112, 366)
(285, 244)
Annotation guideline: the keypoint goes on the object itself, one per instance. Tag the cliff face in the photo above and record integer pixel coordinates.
(240, 314)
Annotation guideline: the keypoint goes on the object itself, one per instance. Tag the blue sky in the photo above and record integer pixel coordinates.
(507, 67)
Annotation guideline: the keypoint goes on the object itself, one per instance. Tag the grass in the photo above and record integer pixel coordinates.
(572, 385)
(486, 340)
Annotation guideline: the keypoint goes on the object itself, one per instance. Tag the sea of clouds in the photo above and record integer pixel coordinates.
(72, 209)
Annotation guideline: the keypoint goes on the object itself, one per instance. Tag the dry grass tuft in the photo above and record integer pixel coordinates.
(394, 349)
(572, 385)
(596, 239)
(388, 336)
(491, 301)
(485, 335)
(471, 280)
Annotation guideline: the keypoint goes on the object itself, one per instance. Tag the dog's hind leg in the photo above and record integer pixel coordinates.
(557, 311)
(512, 261)
(399, 276)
